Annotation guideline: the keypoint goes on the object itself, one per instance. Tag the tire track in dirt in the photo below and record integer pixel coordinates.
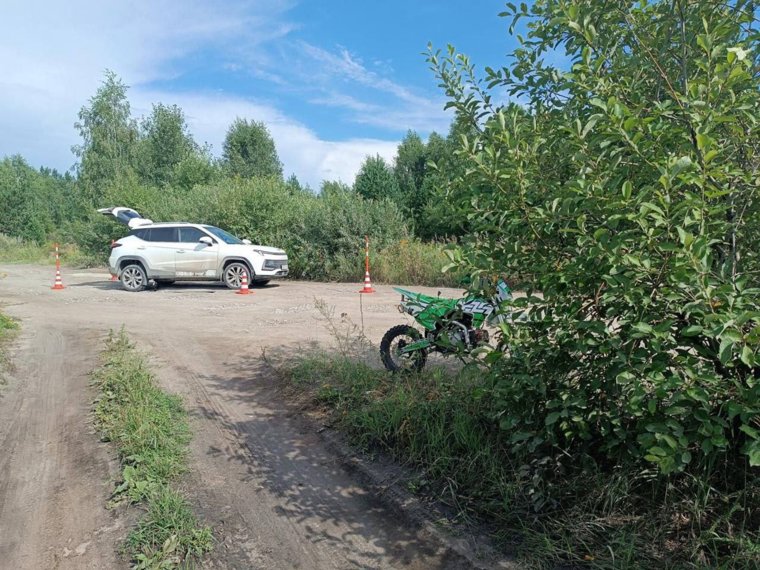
(54, 474)
(294, 506)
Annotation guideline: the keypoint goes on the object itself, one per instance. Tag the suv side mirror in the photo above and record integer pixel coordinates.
(247, 242)
(206, 240)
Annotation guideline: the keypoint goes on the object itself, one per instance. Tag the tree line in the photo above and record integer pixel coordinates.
(156, 156)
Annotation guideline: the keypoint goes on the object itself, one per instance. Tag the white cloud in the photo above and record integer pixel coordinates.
(409, 110)
(302, 152)
(53, 55)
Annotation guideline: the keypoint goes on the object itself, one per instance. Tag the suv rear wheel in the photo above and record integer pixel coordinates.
(133, 277)
(233, 275)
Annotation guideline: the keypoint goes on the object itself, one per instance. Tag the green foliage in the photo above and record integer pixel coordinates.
(249, 151)
(427, 178)
(547, 512)
(8, 329)
(627, 189)
(109, 149)
(323, 234)
(410, 168)
(33, 202)
(375, 180)
(168, 533)
(438, 218)
(16, 250)
(150, 431)
(166, 149)
(7, 324)
(411, 261)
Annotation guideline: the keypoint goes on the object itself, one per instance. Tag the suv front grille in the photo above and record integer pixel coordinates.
(272, 264)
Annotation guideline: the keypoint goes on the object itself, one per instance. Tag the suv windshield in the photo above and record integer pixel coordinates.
(224, 236)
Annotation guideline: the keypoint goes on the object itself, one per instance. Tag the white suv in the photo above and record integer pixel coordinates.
(168, 252)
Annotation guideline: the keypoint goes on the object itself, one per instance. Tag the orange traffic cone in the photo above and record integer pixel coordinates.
(244, 290)
(367, 282)
(58, 285)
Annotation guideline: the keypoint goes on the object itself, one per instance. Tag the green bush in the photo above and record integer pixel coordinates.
(323, 234)
(633, 204)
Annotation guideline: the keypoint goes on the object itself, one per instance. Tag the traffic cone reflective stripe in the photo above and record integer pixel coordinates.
(58, 284)
(367, 284)
(244, 290)
(58, 281)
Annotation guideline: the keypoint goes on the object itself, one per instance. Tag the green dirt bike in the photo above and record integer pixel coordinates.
(451, 326)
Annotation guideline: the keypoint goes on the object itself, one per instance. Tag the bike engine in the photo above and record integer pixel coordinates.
(456, 337)
(479, 336)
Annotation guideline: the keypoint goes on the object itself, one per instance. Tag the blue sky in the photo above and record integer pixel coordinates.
(334, 80)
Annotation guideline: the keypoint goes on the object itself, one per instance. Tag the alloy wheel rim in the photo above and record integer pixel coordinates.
(235, 276)
(132, 278)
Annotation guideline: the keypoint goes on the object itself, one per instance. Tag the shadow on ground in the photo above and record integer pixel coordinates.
(284, 456)
(177, 287)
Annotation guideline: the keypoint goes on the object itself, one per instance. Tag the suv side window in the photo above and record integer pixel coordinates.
(163, 234)
(140, 234)
(190, 235)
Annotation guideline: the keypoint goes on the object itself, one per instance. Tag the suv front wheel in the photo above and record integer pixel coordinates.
(233, 275)
(133, 277)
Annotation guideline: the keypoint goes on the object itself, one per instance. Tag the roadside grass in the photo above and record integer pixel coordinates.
(151, 433)
(8, 329)
(413, 262)
(16, 250)
(443, 423)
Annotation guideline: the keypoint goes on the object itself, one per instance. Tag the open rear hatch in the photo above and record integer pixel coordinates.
(126, 216)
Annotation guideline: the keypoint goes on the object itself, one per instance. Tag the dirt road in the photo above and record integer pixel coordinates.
(260, 475)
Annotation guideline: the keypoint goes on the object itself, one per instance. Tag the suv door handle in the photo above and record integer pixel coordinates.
(141, 247)
(180, 251)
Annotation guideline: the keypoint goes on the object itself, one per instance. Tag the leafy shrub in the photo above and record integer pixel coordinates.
(632, 201)
(323, 234)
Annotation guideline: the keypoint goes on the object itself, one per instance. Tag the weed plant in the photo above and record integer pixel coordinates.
(150, 431)
(8, 328)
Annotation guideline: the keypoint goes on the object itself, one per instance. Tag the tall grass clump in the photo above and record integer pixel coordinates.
(411, 261)
(8, 328)
(150, 431)
(18, 250)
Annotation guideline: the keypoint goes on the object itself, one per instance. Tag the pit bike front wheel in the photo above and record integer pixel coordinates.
(392, 346)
